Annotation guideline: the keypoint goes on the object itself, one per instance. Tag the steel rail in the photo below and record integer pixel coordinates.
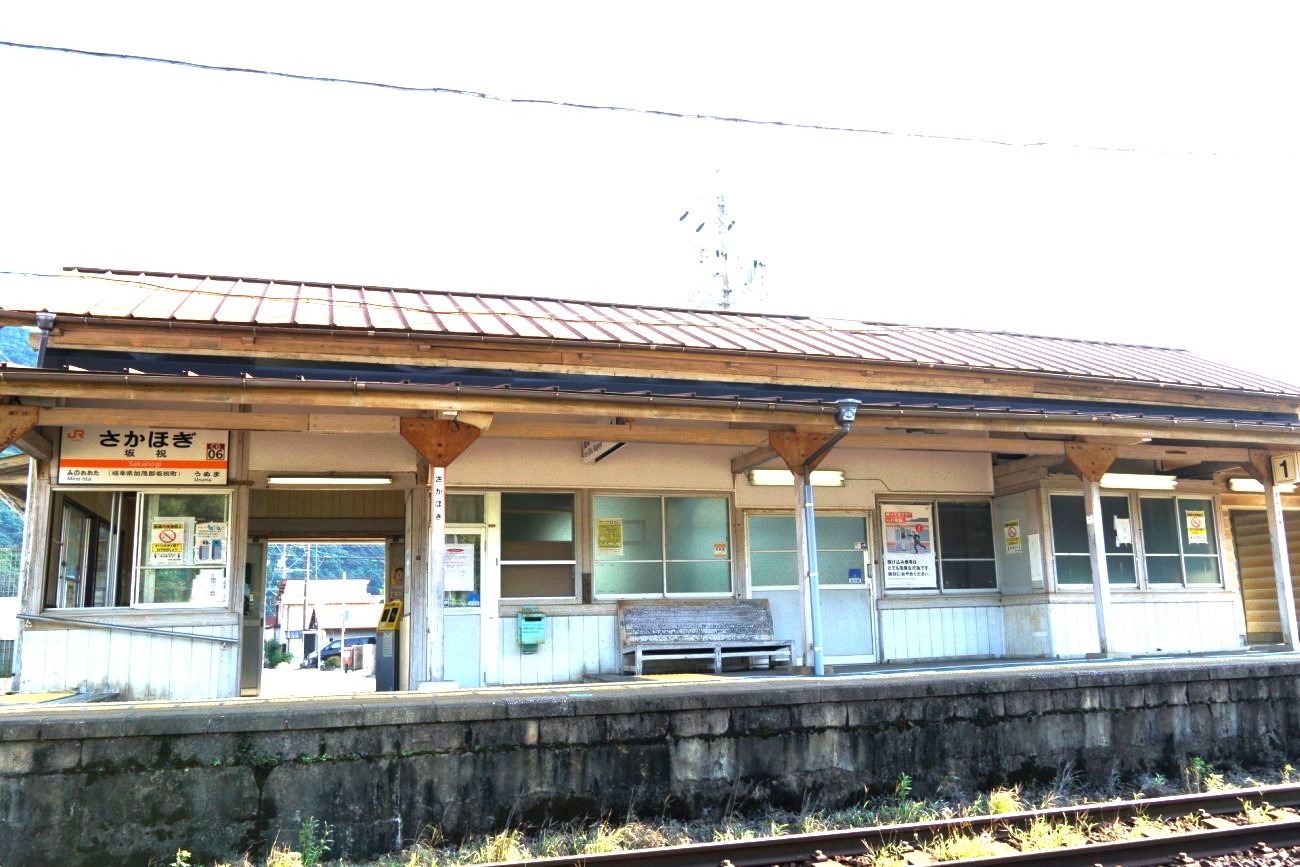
(765, 851)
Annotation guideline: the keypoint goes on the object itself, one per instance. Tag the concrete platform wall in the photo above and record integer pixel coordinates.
(131, 783)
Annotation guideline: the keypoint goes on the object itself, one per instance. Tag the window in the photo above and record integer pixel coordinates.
(938, 546)
(774, 559)
(122, 548)
(1173, 539)
(538, 559)
(90, 549)
(1070, 540)
(662, 546)
(1179, 541)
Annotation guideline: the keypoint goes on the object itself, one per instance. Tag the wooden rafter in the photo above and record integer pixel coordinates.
(1091, 460)
(439, 441)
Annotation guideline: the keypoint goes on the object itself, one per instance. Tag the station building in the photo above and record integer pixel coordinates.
(975, 495)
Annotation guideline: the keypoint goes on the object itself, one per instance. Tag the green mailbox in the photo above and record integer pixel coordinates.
(532, 629)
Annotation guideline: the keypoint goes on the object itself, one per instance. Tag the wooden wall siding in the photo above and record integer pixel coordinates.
(575, 646)
(941, 633)
(1074, 628)
(1175, 626)
(1026, 630)
(1191, 626)
(327, 504)
(136, 665)
(1255, 569)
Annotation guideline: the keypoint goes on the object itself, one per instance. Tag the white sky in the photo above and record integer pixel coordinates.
(1189, 242)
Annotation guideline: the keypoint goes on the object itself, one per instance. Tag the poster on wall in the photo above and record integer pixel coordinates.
(1011, 535)
(909, 547)
(609, 537)
(458, 568)
(129, 455)
(168, 541)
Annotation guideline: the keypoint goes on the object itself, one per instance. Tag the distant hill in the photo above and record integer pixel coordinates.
(14, 346)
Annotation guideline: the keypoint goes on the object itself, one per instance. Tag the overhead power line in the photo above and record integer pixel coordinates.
(558, 103)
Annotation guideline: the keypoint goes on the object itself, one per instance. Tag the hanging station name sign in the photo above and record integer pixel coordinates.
(122, 455)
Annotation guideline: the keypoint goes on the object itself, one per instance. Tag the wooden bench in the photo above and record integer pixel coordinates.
(715, 629)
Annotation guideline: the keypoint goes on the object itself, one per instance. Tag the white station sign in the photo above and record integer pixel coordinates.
(127, 455)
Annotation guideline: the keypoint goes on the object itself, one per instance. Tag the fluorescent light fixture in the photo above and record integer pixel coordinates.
(1250, 486)
(329, 481)
(1139, 481)
(785, 478)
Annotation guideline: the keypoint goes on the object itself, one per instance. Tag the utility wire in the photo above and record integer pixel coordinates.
(513, 100)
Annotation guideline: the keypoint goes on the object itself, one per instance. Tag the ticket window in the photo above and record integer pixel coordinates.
(135, 548)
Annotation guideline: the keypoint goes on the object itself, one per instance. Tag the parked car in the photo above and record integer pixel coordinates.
(317, 658)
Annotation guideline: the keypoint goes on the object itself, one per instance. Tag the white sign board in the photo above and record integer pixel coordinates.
(129, 455)
(909, 546)
(169, 540)
(458, 568)
(1286, 468)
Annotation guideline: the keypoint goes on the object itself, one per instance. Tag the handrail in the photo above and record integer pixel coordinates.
(146, 630)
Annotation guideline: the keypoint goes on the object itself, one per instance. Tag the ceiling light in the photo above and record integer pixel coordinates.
(1139, 481)
(1250, 486)
(329, 481)
(785, 478)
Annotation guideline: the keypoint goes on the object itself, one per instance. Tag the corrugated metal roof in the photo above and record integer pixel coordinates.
(189, 298)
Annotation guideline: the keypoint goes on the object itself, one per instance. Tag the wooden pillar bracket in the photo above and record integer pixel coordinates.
(1091, 460)
(1259, 467)
(796, 446)
(15, 422)
(439, 441)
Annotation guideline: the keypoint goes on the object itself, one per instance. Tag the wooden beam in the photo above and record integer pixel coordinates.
(1090, 460)
(108, 416)
(1033, 462)
(1259, 467)
(439, 441)
(594, 359)
(36, 445)
(750, 459)
(795, 447)
(15, 422)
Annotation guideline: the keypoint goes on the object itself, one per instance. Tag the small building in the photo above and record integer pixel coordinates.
(976, 495)
(328, 607)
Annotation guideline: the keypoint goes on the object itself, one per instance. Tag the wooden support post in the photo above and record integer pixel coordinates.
(439, 442)
(1261, 469)
(794, 449)
(1091, 461)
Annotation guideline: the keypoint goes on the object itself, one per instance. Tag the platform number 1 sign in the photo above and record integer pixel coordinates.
(1286, 469)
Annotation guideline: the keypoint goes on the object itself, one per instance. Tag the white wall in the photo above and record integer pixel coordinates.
(1183, 625)
(574, 646)
(135, 665)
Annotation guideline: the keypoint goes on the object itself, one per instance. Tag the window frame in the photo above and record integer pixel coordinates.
(937, 536)
(664, 560)
(132, 548)
(576, 584)
(1143, 582)
(868, 555)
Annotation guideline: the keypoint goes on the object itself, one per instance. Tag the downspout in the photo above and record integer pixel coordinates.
(45, 322)
(846, 411)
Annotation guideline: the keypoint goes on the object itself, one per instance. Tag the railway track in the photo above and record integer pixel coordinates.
(1221, 838)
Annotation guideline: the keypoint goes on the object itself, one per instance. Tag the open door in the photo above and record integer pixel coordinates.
(252, 618)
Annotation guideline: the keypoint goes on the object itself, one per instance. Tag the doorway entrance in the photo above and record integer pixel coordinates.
(323, 601)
